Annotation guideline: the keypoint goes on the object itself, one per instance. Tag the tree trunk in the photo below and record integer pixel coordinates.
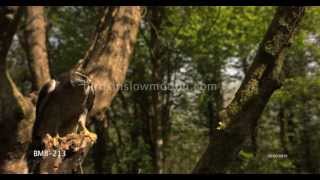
(100, 148)
(16, 111)
(283, 130)
(157, 139)
(135, 134)
(105, 63)
(261, 81)
(34, 43)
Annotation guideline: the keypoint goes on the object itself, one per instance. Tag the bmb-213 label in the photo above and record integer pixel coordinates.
(46, 153)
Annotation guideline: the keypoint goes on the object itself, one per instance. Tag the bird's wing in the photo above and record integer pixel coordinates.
(41, 102)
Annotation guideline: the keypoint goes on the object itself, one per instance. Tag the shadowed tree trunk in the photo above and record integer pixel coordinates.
(16, 111)
(283, 129)
(101, 147)
(157, 138)
(105, 63)
(135, 133)
(262, 79)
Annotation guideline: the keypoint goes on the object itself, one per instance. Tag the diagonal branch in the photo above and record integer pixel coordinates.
(262, 79)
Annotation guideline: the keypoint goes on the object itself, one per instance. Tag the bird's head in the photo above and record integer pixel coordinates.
(79, 79)
(84, 82)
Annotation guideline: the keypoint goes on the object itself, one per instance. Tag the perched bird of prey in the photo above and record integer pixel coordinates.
(62, 106)
(62, 103)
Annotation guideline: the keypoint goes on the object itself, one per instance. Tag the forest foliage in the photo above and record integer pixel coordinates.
(192, 46)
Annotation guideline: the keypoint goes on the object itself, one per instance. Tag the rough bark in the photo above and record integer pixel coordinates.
(261, 81)
(16, 111)
(105, 63)
(34, 43)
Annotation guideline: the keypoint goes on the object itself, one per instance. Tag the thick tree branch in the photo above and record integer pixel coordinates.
(107, 63)
(261, 81)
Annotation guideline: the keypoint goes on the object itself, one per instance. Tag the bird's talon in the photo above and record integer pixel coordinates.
(91, 135)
